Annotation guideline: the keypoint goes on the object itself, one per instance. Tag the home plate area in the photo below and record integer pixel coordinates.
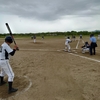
(23, 83)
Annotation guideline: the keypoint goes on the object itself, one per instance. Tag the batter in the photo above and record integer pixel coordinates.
(67, 45)
(5, 52)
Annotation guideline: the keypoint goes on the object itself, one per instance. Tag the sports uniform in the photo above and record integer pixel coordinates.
(80, 36)
(34, 37)
(5, 52)
(93, 44)
(99, 36)
(86, 47)
(67, 46)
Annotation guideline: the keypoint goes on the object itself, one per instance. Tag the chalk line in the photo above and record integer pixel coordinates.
(63, 50)
(17, 93)
(85, 57)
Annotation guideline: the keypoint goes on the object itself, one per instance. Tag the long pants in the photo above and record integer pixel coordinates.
(85, 50)
(34, 40)
(6, 70)
(92, 48)
(67, 47)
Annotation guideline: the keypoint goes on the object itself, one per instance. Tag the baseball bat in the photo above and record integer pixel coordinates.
(7, 25)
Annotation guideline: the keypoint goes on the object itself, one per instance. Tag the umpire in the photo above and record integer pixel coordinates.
(93, 44)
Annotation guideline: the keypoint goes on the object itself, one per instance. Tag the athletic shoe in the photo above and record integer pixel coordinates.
(12, 90)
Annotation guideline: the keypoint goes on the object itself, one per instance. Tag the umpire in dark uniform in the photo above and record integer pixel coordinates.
(93, 44)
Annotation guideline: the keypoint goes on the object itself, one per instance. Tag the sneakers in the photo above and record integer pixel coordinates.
(2, 83)
(12, 90)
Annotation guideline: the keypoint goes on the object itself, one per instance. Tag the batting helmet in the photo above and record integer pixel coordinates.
(9, 39)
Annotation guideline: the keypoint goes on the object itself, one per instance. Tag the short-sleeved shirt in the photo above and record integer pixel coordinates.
(5, 50)
(93, 39)
(67, 41)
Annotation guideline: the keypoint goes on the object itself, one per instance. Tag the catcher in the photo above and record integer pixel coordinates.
(86, 47)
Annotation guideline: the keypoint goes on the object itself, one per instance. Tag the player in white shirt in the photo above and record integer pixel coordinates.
(99, 37)
(67, 45)
(5, 52)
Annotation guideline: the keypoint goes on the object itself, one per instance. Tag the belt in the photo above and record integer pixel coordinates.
(3, 59)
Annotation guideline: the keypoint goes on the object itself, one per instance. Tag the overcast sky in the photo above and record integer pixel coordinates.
(49, 15)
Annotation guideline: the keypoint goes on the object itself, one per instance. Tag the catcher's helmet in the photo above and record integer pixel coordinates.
(9, 39)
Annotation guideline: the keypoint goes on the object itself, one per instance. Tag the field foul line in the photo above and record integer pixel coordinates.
(62, 50)
(36, 49)
(40, 50)
(82, 56)
(47, 49)
(30, 84)
(85, 57)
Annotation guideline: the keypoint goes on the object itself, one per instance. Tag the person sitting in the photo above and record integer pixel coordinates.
(86, 47)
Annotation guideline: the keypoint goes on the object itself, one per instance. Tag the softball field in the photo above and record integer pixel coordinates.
(44, 71)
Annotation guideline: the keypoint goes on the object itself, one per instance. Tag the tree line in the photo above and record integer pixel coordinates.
(68, 33)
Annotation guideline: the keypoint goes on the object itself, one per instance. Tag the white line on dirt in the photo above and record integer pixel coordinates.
(25, 89)
(63, 50)
(85, 57)
(36, 49)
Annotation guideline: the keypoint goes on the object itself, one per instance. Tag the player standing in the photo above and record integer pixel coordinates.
(93, 44)
(5, 53)
(34, 38)
(67, 45)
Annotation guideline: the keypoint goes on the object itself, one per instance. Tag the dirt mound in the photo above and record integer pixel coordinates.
(18, 83)
(37, 42)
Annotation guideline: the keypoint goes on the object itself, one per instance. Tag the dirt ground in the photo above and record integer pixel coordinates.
(43, 71)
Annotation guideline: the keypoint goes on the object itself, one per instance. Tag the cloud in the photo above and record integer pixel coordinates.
(50, 9)
(50, 15)
(66, 23)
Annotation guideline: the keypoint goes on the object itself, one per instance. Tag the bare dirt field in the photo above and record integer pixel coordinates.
(43, 71)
